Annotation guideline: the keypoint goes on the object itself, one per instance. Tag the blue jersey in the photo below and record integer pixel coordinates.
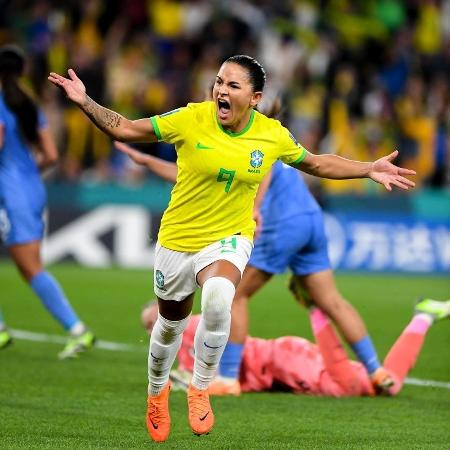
(22, 193)
(287, 196)
(15, 156)
(293, 234)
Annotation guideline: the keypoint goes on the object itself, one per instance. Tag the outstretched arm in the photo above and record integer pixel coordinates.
(110, 122)
(164, 169)
(382, 170)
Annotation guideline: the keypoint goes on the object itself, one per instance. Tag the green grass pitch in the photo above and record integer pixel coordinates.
(98, 401)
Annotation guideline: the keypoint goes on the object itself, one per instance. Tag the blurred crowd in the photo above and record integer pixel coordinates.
(356, 78)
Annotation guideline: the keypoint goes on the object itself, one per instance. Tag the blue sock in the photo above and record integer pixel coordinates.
(52, 296)
(367, 354)
(231, 360)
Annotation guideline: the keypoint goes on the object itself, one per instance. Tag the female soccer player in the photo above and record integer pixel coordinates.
(224, 148)
(23, 129)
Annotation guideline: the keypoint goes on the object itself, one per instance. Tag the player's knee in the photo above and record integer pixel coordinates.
(169, 329)
(240, 298)
(217, 297)
(28, 271)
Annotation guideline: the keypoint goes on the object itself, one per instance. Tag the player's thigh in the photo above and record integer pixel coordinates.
(175, 310)
(174, 276)
(21, 216)
(321, 288)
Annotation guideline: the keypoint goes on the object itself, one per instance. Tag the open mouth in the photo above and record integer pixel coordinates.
(223, 108)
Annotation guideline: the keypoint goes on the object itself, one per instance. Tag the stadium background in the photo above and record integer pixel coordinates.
(357, 79)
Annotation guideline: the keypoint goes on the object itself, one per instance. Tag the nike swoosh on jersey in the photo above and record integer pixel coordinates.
(200, 146)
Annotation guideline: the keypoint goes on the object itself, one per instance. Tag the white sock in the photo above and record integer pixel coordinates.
(213, 329)
(165, 342)
(77, 329)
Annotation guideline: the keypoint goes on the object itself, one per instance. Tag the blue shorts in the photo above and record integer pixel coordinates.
(298, 243)
(21, 214)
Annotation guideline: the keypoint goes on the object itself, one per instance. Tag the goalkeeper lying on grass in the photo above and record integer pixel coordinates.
(321, 368)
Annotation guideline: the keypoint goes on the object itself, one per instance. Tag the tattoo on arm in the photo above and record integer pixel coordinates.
(103, 117)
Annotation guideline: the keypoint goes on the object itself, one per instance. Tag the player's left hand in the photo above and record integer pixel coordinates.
(388, 174)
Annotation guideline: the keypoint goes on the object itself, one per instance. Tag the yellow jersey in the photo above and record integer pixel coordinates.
(218, 173)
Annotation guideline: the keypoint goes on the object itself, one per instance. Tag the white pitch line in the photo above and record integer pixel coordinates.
(427, 383)
(119, 347)
(53, 339)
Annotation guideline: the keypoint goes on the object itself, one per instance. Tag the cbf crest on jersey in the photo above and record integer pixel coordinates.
(256, 158)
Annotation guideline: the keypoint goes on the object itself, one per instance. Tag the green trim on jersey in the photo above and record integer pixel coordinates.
(302, 157)
(156, 128)
(239, 133)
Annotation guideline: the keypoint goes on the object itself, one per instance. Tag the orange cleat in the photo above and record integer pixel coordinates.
(158, 417)
(201, 416)
(382, 381)
(222, 387)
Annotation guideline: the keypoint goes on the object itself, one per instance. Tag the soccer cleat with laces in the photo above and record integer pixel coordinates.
(201, 416)
(382, 381)
(436, 309)
(78, 344)
(158, 417)
(222, 387)
(5, 339)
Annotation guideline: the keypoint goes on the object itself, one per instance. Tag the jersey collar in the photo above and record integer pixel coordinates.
(239, 133)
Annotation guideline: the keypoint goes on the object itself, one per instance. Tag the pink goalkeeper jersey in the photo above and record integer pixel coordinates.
(287, 363)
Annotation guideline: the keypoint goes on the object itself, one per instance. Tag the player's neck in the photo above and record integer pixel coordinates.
(242, 125)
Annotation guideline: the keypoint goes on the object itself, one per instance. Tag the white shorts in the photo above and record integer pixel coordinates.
(175, 273)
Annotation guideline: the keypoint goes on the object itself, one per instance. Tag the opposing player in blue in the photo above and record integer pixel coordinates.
(26, 147)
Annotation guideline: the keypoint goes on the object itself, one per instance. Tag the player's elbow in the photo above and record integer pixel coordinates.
(312, 165)
(134, 131)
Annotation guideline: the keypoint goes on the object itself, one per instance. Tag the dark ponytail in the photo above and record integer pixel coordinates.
(12, 63)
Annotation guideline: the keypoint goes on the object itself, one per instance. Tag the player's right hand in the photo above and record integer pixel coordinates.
(72, 86)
